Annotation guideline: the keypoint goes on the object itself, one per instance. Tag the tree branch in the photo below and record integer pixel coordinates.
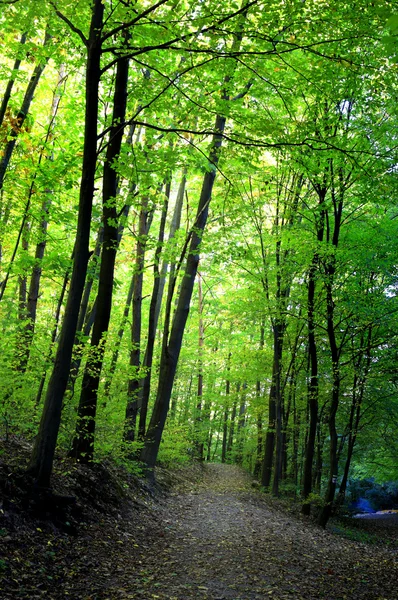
(70, 24)
(146, 12)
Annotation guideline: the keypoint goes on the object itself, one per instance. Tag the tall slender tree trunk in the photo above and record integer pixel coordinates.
(135, 352)
(83, 443)
(313, 386)
(226, 413)
(10, 84)
(22, 114)
(241, 426)
(54, 332)
(231, 432)
(153, 320)
(120, 333)
(198, 421)
(355, 413)
(312, 394)
(336, 380)
(274, 391)
(172, 344)
(34, 284)
(44, 448)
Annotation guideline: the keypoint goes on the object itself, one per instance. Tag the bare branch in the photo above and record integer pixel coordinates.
(70, 24)
(133, 21)
(169, 43)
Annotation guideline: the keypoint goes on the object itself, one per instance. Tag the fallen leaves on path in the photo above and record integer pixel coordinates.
(213, 539)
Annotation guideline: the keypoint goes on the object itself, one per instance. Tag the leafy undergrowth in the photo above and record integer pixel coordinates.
(201, 533)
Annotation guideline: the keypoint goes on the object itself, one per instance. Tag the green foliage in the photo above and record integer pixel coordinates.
(176, 445)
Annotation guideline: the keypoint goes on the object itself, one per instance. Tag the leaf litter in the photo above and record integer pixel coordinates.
(203, 533)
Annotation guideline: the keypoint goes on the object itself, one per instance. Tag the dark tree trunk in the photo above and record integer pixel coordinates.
(44, 448)
(259, 447)
(330, 270)
(226, 413)
(174, 226)
(172, 344)
(171, 348)
(198, 422)
(83, 443)
(296, 443)
(21, 116)
(333, 462)
(224, 434)
(120, 333)
(54, 333)
(241, 425)
(313, 359)
(260, 432)
(272, 405)
(34, 284)
(231, 432)
(135, 353)
(156, 299)
(312, 395)
(355, 413)
(10, 85)
(23, 283)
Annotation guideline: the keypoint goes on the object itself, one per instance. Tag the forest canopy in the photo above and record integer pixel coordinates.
(198, 236)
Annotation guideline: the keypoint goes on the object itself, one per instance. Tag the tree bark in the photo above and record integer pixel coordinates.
(198, 420)
(22, 114)
(313, 358)
(355, 412)
(172, 347)
(135, 353)
(44, 448)
(83, 443)
(226, 413)
(10, 85)
(274, 390)
(172, 344)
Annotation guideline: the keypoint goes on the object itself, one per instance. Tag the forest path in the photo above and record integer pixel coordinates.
(222, 541)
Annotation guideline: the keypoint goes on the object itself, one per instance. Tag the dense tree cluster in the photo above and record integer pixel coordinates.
(198, 239)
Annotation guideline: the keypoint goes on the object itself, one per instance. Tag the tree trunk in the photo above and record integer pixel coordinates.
(10, 85)
(54, 332)
(355, 414)
(333, 462)
(83, 443)
(226, 413)
(272, 405)
(172, 345)
(231, 432)
(198, 421)
(154, 309)
(22, 114)
(241, 425)
(171, 348)
(135, 353)
(312, 395)
(115, 353)
(44, 448)
(313, 358)
(34, 284)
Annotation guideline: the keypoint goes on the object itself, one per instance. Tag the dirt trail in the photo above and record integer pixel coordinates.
(222, 541)
(218, 539)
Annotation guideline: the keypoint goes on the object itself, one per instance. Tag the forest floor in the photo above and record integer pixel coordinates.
(210, 536)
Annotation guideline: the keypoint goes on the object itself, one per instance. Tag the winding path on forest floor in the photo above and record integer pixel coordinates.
(222, 541)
